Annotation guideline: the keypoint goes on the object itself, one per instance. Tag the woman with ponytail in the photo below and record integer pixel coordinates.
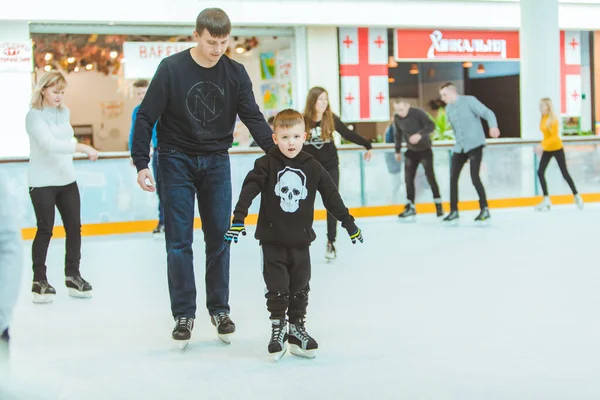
(552, 147)
(51, 180)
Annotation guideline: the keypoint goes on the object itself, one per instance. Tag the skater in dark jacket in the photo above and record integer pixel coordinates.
(414, 127)
(288, 179)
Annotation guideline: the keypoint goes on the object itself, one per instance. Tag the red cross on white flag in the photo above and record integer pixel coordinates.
(570, 73)
(364, 74)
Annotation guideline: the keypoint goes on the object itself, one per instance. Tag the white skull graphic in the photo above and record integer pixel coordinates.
(291, 188)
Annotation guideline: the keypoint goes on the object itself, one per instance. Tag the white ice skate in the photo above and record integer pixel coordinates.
(579, 201)
(544, 205)
(301, 343)
(330, 252)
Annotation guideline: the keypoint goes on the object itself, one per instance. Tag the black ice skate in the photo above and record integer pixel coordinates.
(439, 210)
(451, 219)
(301, 343)
(78, 287)
(225, 326)
(330, 253)
(484, 217)
(279, 338)
(409, 213)
(183, 331)
(42, 292)
(159, 230)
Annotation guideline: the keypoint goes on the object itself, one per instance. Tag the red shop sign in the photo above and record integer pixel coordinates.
(446, 45)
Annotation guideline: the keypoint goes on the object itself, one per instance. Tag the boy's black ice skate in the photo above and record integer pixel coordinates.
(409, 213)
(78, 287)
(484, 217)
(42, 292)
(183, 331)
(225, 326)
(301, 343)
(330, 253)
(279, 338)
(451, 219)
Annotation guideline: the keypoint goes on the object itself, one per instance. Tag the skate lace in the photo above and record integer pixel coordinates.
(221, 317)
(277, 331)
(301, 330)
(184, 323)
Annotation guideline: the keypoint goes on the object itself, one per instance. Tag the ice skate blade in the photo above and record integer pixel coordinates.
(225, 338)
(484, 223)
(183, 344)
(80, 295)
(542, 209)
(43, 298)
(299, 352)
(450, 223)
(410, 219)
(277, 356)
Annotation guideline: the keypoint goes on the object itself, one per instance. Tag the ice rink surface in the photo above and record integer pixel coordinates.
(419, 311)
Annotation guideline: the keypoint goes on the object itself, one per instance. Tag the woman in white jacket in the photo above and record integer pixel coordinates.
(52, 184)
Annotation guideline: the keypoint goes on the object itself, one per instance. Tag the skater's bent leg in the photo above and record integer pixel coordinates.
(68, 203)
(457, 163)
(475, 157)
(562, 164)
(411, 163)
(331, 221)
(427, 161)
(300, 271)
(545, 159)
(277, 279)
(214, 204)
(177, 184)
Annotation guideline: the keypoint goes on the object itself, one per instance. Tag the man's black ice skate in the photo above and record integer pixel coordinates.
(451, 219)
(183, 331)
(439, 210)
(301, 343)
(78, 287)
(330, 253)
(42, 292)
(484, 217)
(279, 338)
(409, 213)
(225, 326)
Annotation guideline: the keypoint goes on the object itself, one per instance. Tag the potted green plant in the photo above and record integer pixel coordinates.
(443, 129)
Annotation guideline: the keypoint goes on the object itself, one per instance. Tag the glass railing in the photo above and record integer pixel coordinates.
(110, 193)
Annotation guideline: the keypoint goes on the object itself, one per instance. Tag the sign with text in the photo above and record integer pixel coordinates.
(142, 58)
(16, 56)
(447, 45)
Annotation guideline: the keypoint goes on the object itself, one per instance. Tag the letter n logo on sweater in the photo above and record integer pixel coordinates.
(205, 101)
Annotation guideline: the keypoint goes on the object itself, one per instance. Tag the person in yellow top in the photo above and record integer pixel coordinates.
(552, 146)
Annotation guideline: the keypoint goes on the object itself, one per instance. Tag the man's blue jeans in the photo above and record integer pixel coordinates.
(183, 178)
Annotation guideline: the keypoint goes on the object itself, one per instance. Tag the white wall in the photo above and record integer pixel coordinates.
(388, 13)
(14, 103)
(323, 63)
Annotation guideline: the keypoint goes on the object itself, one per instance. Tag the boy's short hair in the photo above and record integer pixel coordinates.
(288, 119)
(139, 83)
(215, 20)
(448, 84)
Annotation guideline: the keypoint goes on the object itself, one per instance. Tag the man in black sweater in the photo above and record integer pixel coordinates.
(195, 96)
(288, 180)
(413, 126)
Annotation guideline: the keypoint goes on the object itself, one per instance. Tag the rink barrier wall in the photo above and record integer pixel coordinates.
(115, 228)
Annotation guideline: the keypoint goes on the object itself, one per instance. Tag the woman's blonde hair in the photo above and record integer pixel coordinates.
(551, 115)
(50, 79)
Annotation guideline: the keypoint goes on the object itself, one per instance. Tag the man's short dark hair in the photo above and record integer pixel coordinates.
(215, 21)
(139, 83)
(447, 84)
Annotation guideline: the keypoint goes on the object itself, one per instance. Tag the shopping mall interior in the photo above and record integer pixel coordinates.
(494, 297)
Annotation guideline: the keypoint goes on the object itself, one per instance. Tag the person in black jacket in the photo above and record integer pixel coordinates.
(288, 179)
(413, 126)
(195, 95)
(321, 123)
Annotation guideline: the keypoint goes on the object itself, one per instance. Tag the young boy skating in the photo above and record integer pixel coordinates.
(288, 179)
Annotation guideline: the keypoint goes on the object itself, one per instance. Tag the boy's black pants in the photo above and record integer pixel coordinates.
(286, 271)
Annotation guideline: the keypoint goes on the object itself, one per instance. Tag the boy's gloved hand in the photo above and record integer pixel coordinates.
(234, 232)
(357, 235)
